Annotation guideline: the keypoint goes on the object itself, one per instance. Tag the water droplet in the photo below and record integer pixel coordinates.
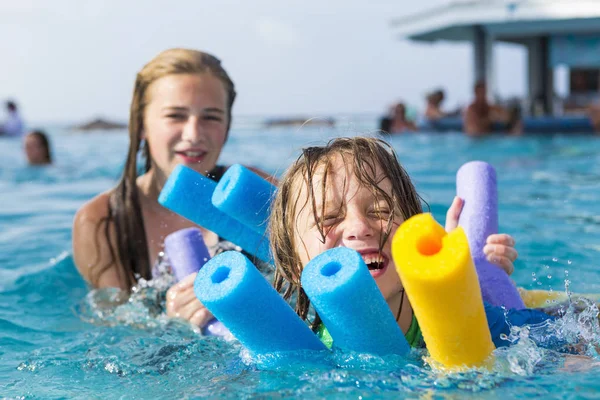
(549, 276)
(533, 274)
(569, 262)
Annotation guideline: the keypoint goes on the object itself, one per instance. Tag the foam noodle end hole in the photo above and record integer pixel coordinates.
(227, 183)
(331, 268)
(429, 245)
(220, 275)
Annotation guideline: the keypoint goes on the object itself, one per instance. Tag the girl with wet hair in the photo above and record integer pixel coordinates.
(180, 114)
(353, 192)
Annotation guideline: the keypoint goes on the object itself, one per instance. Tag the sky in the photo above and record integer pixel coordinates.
(73, 60)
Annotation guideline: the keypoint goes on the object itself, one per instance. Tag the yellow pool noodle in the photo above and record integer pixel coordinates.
(546, 298)
(540, 298)
(441, 283)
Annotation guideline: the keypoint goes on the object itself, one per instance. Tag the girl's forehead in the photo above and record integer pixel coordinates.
(343, 167)
(341, 179)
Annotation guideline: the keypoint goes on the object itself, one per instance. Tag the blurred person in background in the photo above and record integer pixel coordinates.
(37, 148)
(13, 124)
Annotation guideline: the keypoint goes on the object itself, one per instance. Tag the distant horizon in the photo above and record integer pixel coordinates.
(235, 116)
(308, 58)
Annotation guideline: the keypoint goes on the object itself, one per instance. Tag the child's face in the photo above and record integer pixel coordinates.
(354, 218)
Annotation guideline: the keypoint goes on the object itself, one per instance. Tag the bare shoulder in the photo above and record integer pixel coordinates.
(91, 243)
(95, 209)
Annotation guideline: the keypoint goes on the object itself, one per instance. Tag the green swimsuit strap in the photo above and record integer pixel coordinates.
(413, 336)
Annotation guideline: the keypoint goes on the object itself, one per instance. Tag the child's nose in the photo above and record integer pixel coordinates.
(357, 227)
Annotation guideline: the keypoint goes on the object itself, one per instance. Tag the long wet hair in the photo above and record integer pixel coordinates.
(363, 155)
(128, 245)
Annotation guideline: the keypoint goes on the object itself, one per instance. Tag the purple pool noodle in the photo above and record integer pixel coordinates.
(245, 196)
(231, 287)
(351, 306)
(189, 193)
(476, 185)
(215, 328)
(186, 251)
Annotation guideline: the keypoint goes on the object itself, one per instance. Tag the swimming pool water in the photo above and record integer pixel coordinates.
(58, 341)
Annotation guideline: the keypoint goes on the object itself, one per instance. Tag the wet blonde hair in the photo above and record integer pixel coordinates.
(364, 155)
(128, 247)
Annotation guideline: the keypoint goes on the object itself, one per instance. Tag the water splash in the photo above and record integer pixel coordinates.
(142, 308)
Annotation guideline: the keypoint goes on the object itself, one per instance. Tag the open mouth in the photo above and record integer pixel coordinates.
(375, 262)
(191, 156)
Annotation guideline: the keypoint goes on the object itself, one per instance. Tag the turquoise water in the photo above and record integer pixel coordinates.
(58, 341)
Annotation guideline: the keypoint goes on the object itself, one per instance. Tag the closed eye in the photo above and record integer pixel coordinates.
(329, 220)
(213, 118)
(380, 213)
(177, 116)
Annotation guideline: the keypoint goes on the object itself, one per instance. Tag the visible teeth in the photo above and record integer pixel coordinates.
(193, 153)
(372, 258)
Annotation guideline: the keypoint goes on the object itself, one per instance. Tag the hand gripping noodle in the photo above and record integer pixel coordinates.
(187, 253)
(189, 193)
(476, 185)
(245, 196)
(351, 306)
(441, 283)
(235, 292)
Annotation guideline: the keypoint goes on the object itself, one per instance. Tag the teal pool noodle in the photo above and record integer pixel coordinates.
(245, 196)
(237, 294)
(345, 295)
(188, 193)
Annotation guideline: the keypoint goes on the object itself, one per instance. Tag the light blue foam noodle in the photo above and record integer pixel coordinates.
(237, 294)
(245, 196)
(345, 295)
(189, 193)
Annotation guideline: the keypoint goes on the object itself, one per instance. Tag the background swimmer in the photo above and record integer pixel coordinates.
(37, 148)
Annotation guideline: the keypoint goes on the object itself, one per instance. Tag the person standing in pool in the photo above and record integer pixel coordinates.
(481, 115)
(433, 110)
(180, 114)
(396, 121)
(13, 125)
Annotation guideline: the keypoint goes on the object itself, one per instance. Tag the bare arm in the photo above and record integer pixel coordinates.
(91, 251)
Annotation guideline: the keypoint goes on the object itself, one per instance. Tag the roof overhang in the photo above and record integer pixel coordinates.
(506, 20)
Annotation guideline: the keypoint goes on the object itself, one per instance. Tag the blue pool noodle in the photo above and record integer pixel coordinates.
(235, 292)
(187, 253)
(476, 185)
(188, 193)
(245, 196)
(345, 295)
